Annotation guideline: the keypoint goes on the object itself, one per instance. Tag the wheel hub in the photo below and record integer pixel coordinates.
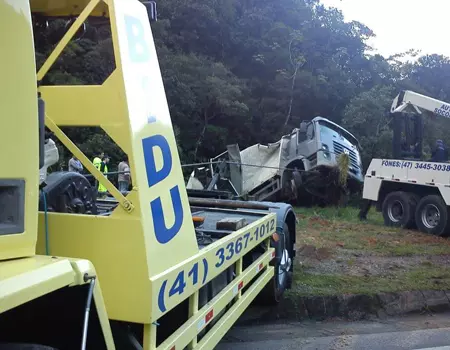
(285, 264)
(431, 216)
(396, 211)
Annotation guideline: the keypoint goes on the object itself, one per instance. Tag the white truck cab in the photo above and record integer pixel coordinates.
(298, 168)
(328, 141)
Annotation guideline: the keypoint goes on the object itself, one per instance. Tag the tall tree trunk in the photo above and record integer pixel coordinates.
(296, 64)
(202, 134)
(291, 100)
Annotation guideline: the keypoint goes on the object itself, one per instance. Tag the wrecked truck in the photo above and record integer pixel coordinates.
(316, 164)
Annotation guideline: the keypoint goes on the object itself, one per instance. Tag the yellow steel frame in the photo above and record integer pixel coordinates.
(146, 252)
(25, 276)
(187, 334)
(57, 51)
(126, 204)
(209, 263)
(26, 279)
(65, 8)
(18, 108)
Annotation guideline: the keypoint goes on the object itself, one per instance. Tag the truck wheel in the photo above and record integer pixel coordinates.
(432, 216)
(282, 279)
(399, 208)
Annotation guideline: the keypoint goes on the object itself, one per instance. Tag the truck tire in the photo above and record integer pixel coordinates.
(432, 216)
(399, 209)
(25, 347)
(414, 200)
(282, 279)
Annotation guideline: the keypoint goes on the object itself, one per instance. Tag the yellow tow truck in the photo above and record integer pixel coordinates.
(156, 271)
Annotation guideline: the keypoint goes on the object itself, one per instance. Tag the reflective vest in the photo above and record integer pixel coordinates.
(97, 162)
(102, 188)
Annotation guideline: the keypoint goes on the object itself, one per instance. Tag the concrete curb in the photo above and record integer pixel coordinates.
(354, 307)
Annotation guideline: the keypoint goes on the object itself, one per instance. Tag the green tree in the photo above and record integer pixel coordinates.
(367, 117)
(248, 71)
(88, 59)
(205, 99)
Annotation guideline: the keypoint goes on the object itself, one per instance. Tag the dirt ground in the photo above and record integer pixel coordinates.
(338, 254)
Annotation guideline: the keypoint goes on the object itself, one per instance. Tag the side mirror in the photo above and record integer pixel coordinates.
(151, 10)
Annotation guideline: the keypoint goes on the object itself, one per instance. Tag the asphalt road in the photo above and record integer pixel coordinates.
(412, 332)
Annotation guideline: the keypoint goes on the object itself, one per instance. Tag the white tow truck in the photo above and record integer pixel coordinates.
(410, 192)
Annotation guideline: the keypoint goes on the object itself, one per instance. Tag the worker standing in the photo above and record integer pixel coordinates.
(98, 160)
(104, 170)
(124, 175)
(97, 163)
(440, 153)
(75, 165)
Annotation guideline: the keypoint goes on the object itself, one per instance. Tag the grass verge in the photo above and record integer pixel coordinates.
(338, 254)
(339, 227)
(422, 278)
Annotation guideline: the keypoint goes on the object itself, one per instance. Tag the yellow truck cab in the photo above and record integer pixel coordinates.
(151, 271)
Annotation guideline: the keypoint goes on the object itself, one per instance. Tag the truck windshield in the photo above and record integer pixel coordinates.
(327, 130)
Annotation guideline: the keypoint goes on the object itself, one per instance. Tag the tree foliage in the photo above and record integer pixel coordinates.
(247, 71)
(366, 116)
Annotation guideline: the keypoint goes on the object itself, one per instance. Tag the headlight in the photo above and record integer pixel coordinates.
(326, 151)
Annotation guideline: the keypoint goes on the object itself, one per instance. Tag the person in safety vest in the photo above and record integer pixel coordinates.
(104, 169)
(98, 160)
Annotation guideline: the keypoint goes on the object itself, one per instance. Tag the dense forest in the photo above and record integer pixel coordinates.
(248, 71)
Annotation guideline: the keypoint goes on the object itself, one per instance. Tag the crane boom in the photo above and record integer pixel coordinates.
(418, 102)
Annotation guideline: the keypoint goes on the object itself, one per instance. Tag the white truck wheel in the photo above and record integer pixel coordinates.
(399, 208)
(282, 279)
(432, 216)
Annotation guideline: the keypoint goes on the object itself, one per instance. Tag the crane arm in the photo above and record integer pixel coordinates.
(419, 102)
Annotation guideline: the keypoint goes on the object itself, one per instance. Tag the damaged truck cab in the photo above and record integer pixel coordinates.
(302, 167)
(321, 142)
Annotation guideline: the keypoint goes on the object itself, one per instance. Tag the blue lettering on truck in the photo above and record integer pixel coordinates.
(415, 165)
(396, 164)
(139, 52)
(154, 176)
(191, 275)
(443, 111)
(137, 45)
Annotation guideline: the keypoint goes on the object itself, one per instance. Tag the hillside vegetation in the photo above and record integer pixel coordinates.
(247, 71)
(338, 254)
